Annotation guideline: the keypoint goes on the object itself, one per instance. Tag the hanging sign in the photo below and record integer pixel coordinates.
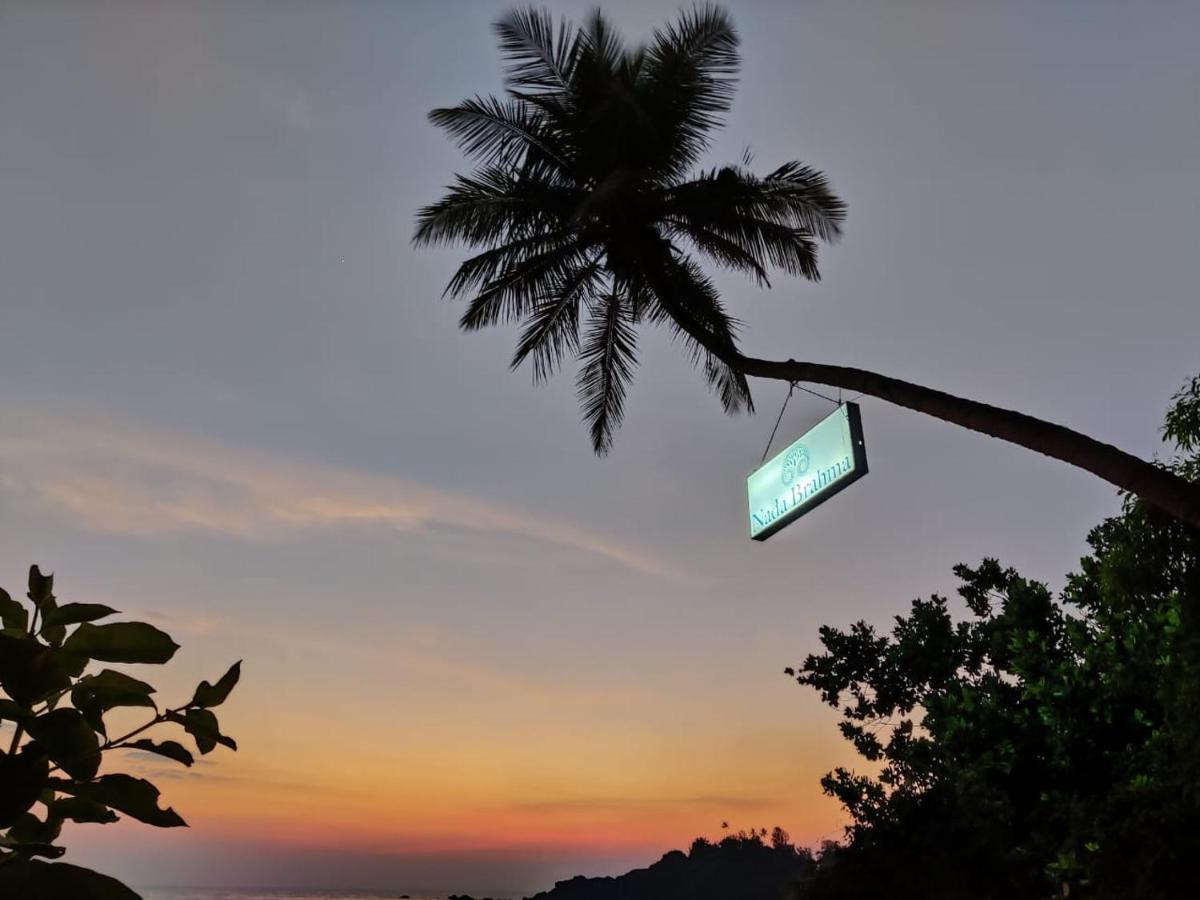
(827, 458)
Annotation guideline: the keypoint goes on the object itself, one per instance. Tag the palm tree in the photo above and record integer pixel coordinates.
(592, 218)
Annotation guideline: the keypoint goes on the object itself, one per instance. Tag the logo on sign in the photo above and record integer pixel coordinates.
(794, 464)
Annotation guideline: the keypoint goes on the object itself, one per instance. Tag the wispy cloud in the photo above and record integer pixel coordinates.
(111, 476)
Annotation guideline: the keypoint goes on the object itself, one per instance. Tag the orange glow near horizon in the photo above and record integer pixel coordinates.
(300, 784)
(429, 723)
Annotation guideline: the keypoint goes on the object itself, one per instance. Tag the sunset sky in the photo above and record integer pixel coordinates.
(477, 657)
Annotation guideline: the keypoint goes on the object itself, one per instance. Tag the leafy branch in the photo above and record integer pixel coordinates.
(55, 753)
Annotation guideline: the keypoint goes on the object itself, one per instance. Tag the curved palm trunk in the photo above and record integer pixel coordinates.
(1155, 485)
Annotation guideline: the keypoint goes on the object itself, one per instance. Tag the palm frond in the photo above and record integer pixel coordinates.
(483, 267)
(516, 290)
(552, 331)
(793, 194)
(775, 219)
(805, 195)
(690, 78)
(494, 204)
(600, 44)
(560, 116)
(732, 254)
(604, 104)
(770, 243)
(703, 40)
(687, 301)
(539, 58)
(730, 385)
(497, 132)
(607, 358)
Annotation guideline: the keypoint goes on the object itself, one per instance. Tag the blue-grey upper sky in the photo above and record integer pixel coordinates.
(231, 397)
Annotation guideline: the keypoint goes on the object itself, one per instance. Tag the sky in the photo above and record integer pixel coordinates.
(477, 657)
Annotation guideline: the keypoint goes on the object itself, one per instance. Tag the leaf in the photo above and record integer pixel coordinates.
(33, 848)
(29, 670)
(607, 359)
(497, 131)
(54, 634)
(23, 776)
(41, 587)
(92, 713)
(14, 712)
(12, 613)
(111, 685)
(170, 749)
(202, 726)
(536, 59)
(41, 592)
(99, 693)
(79, 809)
(48, 606)
(135, 797)
(69, 741)
(209, 695)
(29, 829)
(122, 642)
(33, 880)
(74, 613)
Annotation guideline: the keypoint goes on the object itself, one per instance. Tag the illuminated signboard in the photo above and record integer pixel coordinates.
(826, 458)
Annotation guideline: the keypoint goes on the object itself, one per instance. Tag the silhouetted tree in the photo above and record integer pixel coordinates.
(739, 867)
(57, 709)
(593, 217)
(1036, 747)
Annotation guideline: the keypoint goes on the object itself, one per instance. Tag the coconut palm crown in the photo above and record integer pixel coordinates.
(590, 212)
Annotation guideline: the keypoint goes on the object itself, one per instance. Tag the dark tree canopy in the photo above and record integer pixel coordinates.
(591, 212)
(741, 866)
(1032, 746)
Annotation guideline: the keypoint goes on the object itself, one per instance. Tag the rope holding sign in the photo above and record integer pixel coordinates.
(783, 408)
(778, 419)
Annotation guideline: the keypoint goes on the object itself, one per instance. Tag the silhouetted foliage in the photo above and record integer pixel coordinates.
(1032, 748)
(50, 773)
(591, 211)
(741, 866)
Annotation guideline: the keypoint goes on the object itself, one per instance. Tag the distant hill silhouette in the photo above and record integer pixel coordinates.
(740, 867)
